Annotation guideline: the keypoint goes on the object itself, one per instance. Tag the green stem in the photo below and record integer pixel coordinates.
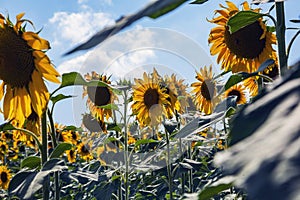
(280, 34)
(169, 167)
(54, 143)
(32, 135)
(45, 154)
(126, 147)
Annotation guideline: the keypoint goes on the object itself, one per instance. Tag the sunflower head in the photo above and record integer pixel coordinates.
(252, 85)
(205, 90)
(5, 177)
(22, 53)
(239, 91)
(149, 99)
(99, 96)
(245, 49)
(84, 150)
(71, 155)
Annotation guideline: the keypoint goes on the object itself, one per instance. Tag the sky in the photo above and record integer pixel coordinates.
(174, 43)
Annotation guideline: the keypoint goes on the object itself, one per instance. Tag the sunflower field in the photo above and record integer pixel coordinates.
(231, 135)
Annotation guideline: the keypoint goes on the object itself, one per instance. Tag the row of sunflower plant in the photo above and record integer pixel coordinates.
(154, 137)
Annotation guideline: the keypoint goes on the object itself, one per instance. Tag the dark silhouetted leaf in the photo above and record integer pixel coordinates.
(265, 139)
(199, 2)
(154, 9)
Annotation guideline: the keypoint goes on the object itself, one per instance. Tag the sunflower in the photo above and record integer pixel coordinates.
(245, 49)
(252, 85)
(170, 89)
(22, 55)
(84, 150)
(205, 90)
(99, 96)
(71, 155)
(179, 87)
(149, 100)
(5, 177)
(239, 91)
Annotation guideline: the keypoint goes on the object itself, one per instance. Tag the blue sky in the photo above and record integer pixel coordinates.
(167, 43)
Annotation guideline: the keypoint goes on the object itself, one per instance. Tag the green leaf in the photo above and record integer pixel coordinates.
(271, 28)
(72, 78)
(110, 107)
(31, 162)
(199, 2)
(242, 19)
(113, 127)
(6, 127)
(60, 149)
(145, 141)
(72, 128)
(235, 79)
(166, 9)
(59, 97)
(217, 187)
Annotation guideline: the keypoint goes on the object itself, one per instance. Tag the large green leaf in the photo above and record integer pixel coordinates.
(242, 19)
(60, 149)
(31, 162)
(26, 183)
(167, 8)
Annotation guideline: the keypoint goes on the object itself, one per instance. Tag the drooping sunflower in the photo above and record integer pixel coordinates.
(239, 91)
(245, 49)
(149, 100)
(205, 90)
(5, 177)
(23, 65)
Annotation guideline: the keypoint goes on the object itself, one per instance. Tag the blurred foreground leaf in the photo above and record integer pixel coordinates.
(154, 10)
(265, 156)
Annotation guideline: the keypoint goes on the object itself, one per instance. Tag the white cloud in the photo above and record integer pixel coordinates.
(119, 55)
(74, 28)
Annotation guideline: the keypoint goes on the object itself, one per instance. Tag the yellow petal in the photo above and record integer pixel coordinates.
(35, 41)
(2, 90)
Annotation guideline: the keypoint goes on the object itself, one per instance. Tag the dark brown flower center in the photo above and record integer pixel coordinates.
(246, 42)
(235, 93)
(151, 97)
(3, 148)
(208, 89)
(3, 177)
(100, 96)
(84, 149)
(16, 58)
